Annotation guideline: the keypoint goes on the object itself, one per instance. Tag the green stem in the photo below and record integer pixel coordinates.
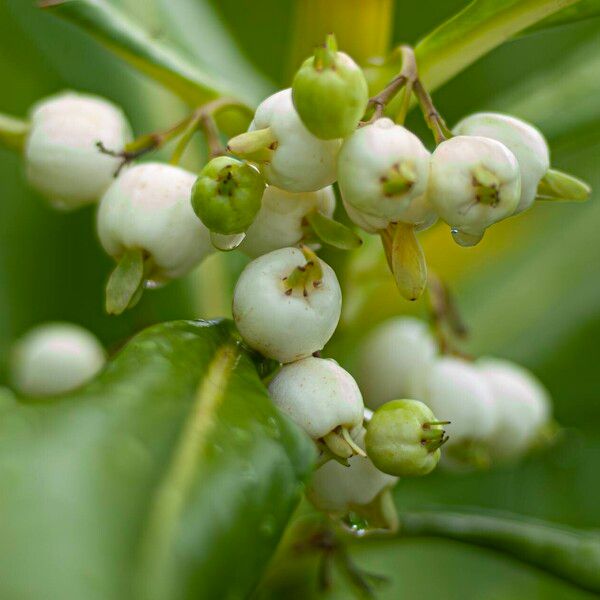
(573, 555)
(13, 132)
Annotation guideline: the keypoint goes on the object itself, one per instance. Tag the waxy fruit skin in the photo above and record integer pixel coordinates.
(148, 207)
(54, 358)
(286, 327)
(524, 140)
(318, 395)
(63, 161)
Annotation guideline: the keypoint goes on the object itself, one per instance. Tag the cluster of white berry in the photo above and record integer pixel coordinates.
(498, 410)
(273, 197)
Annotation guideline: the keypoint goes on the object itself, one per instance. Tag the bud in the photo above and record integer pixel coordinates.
(382, 168)
(54, 358)
(227, 195)
(404, 438)
(287, 304)
(456, 390)
(330, 92)
(280, 222)
(62, 157)
(394, 360)
(474, 182)
(321, 398)
(523, 406)
(525, 141)
(290, 156)
(147, 212)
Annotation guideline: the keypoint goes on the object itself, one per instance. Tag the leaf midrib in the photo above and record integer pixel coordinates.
(152, 572)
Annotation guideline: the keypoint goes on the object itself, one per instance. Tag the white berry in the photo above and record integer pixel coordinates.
(394, 360)
(335, 487)
(279, 222)
(63, 161)
(522, 404)
(474, 182)
(148, 207)
(456, 391)
(318, 395)
(55, 358)
(300, 162)
(524, 140)
(382, 167)
(282, 322)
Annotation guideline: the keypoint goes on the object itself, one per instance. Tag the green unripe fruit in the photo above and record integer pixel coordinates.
(330, 93)
(227, 195)
(404, 438)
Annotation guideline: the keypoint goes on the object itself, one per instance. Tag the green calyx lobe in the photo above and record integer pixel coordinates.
(227, 195)
(404, 438)
(330, 93)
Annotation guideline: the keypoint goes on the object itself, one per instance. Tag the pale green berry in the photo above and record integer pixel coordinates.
(280, 222)
(523, 407)
(474, 182)
(382, 168)
(404, 438)
(227, 195)
(54, 358)
(63, 161)
(330, 93)
(318, 395)
(456, 391)
(286, 304)
(338, 488)
(524, 140)
(394, 360)
(148, 207)
(290, 157)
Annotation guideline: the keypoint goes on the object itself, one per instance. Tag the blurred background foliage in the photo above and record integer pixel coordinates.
(530, 291)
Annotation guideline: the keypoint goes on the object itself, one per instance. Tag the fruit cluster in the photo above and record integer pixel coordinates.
(272, 193)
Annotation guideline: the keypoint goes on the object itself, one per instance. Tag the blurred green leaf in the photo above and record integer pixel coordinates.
(584, 9)
(126, 39)
(169, 476)
(473, 32)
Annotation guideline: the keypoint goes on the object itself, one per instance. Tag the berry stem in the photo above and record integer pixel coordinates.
(407, 73)
(434, 120)
(202, 117)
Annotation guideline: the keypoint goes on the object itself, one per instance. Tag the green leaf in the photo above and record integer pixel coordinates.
(556, 185)
(571, 554)
(171, 475)
(136, 46)
(582, 10)
(473, 32)
(333, 233)
(125, 282)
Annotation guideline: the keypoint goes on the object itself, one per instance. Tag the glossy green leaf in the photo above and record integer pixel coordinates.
(132, 43)
(169, 476)
(581, 11)
(473, 32)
